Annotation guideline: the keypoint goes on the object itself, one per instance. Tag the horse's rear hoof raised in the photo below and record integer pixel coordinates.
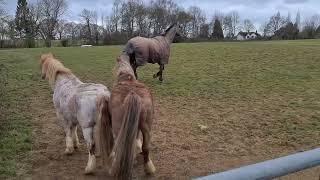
(155, 76)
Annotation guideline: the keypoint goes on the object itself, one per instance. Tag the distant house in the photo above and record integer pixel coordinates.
(247, 36)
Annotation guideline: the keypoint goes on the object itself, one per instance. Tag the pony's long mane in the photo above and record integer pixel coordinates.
(123, 69)
(51, 67)
(169, 28)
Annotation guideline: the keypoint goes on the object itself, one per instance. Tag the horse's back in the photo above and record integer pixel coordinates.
(123, 91)
(86, 97)
(149, 50)
(140, 47)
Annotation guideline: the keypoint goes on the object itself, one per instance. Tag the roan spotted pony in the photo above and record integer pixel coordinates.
(76, 103)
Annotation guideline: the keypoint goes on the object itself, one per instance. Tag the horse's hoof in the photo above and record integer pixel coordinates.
(76, 145)
(88, 171)
(91, 166)
(68, 151)
(155, 76)
(149, 168)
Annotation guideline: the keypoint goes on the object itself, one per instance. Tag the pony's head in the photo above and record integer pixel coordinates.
(50, 67)
(123, 69)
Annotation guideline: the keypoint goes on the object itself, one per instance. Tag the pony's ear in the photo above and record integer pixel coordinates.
(50, 54)
(42, 59)
(118, 59)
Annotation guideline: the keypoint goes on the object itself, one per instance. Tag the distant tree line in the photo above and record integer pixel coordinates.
(44, 21)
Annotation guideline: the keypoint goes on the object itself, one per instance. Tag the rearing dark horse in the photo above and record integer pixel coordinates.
(151, 50)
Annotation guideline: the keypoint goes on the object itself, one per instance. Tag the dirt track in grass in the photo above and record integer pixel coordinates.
(179, 151)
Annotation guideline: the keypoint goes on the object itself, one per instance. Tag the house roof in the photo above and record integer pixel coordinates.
(246, 33)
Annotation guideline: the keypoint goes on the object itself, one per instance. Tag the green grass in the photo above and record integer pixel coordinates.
(272, 89)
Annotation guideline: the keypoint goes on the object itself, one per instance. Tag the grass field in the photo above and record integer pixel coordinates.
(256, 100)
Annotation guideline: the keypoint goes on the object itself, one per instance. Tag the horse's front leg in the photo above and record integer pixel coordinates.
(159, 74)
(134, 68)
(69, 130)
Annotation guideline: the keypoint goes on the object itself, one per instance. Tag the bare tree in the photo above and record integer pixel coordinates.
(161, 14)
(61, 29)
(310, 26)
(51, 12)
(235, 20)
(2, 9)
(184, 19)
(158, 15)
(298, 20)
(72, 30)
(95, 27)
(198, 19)
(263, 28)
(109, 25)
(116, 14)
(288, 20)
(128, 15)
(227, 26)
(2, 20)
(275, 23)
(88, 18)
(142, 20)
(248, 25)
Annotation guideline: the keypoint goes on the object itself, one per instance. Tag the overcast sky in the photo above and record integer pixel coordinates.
(257, 11)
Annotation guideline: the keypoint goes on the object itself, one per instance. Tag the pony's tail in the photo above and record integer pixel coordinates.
(105, 139)
(125, 145)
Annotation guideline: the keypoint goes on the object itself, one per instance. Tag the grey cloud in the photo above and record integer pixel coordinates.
(295, 1)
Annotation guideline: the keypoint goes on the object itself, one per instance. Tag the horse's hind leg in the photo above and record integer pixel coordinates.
(69, 141)
(161, 70)
(159, 74)
(88, 136)
(75, 137)
(148, 165)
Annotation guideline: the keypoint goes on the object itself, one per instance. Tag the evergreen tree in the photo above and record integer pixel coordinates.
(318, 32)
(21, 16)
(23, 23)
(217, 30)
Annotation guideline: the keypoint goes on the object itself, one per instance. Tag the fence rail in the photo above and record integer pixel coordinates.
(272, 168)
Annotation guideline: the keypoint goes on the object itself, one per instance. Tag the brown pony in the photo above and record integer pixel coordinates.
(130, 111)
